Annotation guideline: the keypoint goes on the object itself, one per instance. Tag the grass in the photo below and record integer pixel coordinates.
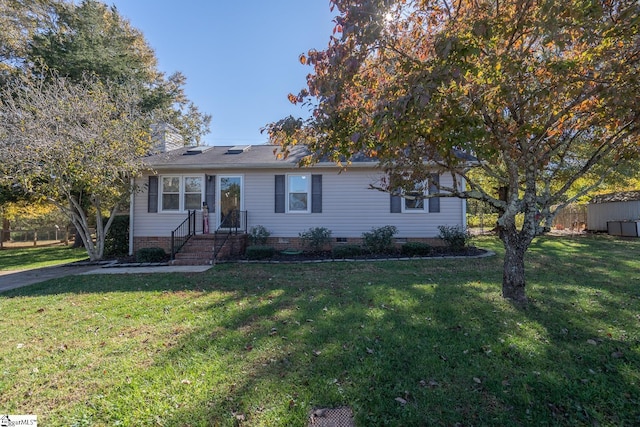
(402, 343)
(25, 258)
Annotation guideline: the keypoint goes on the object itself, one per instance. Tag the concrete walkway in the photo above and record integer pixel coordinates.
(16, 279)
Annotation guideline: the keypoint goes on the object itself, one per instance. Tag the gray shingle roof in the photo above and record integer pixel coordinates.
(220, 157)
(243, 157)
(621, 196)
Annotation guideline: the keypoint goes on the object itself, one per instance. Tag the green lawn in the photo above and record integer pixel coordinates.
(427, 342)
(37, 257)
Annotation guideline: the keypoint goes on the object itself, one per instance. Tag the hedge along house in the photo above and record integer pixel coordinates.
(232, 189)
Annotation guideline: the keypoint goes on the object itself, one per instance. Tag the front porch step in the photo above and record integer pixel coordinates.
(199, 249)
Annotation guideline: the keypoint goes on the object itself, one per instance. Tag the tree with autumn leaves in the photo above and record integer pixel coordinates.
(79, 90)
(545, 95)
(74, 145)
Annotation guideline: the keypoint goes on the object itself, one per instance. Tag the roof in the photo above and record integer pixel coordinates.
(236, 157)
(621, 196)
(249, 156)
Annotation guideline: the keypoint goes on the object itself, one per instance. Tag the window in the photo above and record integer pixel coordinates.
(181, 193)
(170, 193)
(413, 201)
(192, 192)
(298, 194)
(298, 187)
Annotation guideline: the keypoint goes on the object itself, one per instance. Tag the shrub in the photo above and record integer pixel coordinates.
(455, 237)
(151, 255)
(258, 235)
(116, 242)
(260, 252)
(315, 238)
(379, 240)
(416, 249)
(346, 251)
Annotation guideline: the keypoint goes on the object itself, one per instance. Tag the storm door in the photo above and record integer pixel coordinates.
(230, 202)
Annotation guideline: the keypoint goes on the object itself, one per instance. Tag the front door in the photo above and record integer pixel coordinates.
(230, 202)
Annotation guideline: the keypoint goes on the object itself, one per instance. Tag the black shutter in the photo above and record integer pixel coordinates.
(210, 192)
(316, 193)
(396, 203)
(152, 201)
(434, 202)
(280, 194)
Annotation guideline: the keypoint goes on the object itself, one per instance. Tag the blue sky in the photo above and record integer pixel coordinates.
(240, 57)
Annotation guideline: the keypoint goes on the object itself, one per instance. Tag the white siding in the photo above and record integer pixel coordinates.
(349, 208)
(599, 213)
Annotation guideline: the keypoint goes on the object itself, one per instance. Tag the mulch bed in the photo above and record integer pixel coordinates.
(297, 256)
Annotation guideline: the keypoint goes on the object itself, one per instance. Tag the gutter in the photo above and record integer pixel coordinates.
(131, 210)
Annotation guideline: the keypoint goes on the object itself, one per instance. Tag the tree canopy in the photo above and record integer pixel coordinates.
(73, 143)
(544, 94)
(20, 21)
(74, 40)
(79, 91)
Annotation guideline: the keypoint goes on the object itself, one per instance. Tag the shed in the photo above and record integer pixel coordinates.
(620, 207)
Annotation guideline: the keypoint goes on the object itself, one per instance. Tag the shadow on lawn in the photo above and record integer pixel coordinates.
(413, 343)
(403, 350)
(378, 352)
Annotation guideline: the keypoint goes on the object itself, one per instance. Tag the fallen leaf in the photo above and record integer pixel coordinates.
(400, 400)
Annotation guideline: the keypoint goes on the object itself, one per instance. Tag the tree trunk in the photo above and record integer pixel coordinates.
(5, 234)
(77, 240)
(513, 277)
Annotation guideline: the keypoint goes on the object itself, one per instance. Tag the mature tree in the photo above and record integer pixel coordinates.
(545, 94)
(72, 142)
(94, 38)
(20, 20)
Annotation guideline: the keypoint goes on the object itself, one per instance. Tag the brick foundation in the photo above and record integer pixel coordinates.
(152, 242)
(282, 243)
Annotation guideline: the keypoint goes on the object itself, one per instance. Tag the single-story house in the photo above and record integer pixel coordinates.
(606, 209)
(272, 191)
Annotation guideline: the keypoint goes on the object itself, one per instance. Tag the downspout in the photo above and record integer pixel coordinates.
(131, 210)
(463, 187)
